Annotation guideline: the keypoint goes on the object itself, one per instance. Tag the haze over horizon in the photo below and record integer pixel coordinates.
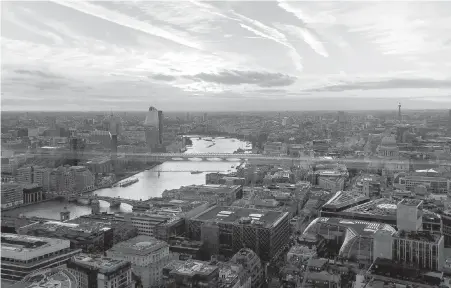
(220, 56)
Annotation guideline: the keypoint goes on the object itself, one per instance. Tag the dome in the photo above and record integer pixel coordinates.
(388, 141)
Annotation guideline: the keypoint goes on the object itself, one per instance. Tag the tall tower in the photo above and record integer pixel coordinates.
(114, 126)
(399, 111)
(153, 128)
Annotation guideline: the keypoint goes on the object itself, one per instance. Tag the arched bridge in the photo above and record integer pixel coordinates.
(206, 156)
(114, 201)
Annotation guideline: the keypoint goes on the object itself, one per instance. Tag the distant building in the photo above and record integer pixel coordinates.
(191, 273)
(147, 255)
(12, 195)
(32, 194)
(25, 175)
(22, 255)
(100, 272)
(219, 194)
(153, 128)
(275, 148)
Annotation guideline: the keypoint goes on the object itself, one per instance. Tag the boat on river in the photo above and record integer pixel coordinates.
(196, 172)
(127, 182)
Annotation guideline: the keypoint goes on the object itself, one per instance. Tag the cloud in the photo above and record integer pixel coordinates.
(163, 77)
(307, 36)
(387, 84)
(124, 20)
(36, 73)
(234, 77)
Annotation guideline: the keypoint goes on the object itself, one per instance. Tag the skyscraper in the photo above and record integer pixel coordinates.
(399, 112)
(154, 128)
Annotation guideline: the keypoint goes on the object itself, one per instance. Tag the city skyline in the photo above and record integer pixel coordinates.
(222, 56)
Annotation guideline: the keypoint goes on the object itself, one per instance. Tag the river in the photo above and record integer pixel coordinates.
(150, 184)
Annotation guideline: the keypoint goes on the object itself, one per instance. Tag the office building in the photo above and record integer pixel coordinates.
(153, 124)
(409, 215)
(54, 277)
(446, 227)
(100, 272)
(145, 222)
(25, 175)
(275, 149)
(12, 195)
(22, 255)
(41, 177)
(191, 273)
(263, 231)
(223, 195)
(147, 255)
(92, 236)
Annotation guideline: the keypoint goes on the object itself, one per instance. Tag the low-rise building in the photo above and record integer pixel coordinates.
(54, 277)
(191, 273)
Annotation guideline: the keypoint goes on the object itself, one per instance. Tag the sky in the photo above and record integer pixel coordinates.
(225, 55)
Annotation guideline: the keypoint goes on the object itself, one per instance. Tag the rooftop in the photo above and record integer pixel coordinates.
(231, 214)
(411, 202)
(345, 198)
(22, 247)
(362, 228)
(55, 277)
(191, 267)
(67, 230)
(103, 264)
(423, 236)
(139, 245)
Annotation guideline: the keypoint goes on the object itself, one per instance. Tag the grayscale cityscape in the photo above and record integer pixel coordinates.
(225, 144)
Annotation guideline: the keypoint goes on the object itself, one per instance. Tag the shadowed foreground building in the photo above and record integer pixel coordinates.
(263, 231)
(100, 272)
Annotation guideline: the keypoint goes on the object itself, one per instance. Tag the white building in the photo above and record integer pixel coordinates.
(147, 255)
(84, 179)
(102, 272)
(25, 175)
(144, 222)
(41, 177)
(22, 254)
(12, 195)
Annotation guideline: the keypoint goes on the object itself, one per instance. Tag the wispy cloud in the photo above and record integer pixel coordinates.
(201, 54)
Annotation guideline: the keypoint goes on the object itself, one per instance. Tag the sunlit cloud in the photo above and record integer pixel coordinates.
(217, 55)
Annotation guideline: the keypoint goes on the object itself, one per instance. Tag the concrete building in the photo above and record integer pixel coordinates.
(41, 177)
(388, 148)
(100, 272)
(252, 266)
(84, 179)
(263, 231)
(223, 195)
(22, 255)
(275, 148)
(191, 273)
(409, 215)
(147, 255)
(12, 195)
(25, 175)
(145, 222)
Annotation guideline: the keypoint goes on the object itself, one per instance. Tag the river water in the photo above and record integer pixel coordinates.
(150, 184)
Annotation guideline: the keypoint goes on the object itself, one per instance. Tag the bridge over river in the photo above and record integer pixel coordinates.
(114, 201)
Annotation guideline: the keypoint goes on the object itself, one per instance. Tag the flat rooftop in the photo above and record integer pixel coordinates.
(69, 229)
(140, 245)
(22, 247)
(55, 277)
(191, 267)
(411, 202)
(231, 214)
(103, 264)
